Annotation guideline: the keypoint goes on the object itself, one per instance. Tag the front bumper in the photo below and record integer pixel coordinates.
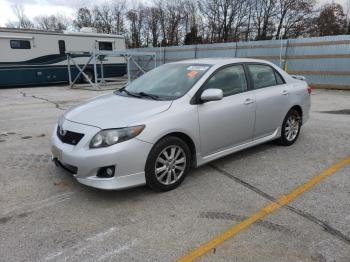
(129, 159)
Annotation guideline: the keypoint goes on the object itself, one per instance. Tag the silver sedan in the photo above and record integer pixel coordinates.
(177, 116)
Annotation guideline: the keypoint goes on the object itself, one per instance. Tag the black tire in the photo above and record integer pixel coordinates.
(167, 143)
(286, 140)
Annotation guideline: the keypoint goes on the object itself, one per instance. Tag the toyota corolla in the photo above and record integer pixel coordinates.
(177, 116)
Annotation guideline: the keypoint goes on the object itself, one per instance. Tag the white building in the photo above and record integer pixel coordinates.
(32, 57)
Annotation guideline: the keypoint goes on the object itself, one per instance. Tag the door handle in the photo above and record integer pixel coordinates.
(248, 101)
(285, 92)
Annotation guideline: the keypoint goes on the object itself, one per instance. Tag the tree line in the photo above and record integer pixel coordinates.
(177, 22)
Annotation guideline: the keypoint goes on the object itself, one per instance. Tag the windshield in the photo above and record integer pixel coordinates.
(168, 81)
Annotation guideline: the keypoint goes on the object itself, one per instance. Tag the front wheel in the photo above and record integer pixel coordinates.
(290, 128)
(168, 164)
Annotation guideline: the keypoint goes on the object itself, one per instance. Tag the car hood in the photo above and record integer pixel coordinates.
(114, 111)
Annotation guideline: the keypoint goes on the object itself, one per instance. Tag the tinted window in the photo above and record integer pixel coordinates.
(231, 80)
(105, 46)
(20, 44)
(262, 76)
(62, 47)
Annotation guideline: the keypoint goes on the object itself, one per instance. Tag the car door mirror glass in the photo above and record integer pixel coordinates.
(212, 94)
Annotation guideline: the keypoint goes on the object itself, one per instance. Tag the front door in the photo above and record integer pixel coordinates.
(230, 121)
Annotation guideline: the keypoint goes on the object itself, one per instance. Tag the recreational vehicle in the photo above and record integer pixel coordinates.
(32, 57)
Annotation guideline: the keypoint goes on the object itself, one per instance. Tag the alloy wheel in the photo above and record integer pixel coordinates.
(170, 165)
(292, 127)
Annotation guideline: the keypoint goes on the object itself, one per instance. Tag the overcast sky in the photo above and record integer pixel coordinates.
(34, 8)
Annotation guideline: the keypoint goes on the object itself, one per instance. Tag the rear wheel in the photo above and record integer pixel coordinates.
(168, 164)
(290, 128)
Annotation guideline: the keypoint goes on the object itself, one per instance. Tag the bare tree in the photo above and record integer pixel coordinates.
(104, 18)
(174, 14)
(83, 18)
(213, 18)
(174, 22)
(248, 24)
(135, 20)
(225, 18)
(191, 18)
(153, 23)
(264, 14)
(290, 16)
(22, 20)
(108, 18)
(52, 22)
(118, 16)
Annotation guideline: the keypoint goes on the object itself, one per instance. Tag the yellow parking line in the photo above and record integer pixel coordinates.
(283, 200)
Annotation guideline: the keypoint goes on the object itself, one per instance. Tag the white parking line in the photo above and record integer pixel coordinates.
(118, 250)
(34, 206)
(77, 249)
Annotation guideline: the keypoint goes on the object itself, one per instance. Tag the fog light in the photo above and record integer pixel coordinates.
(109, 171)
(106, 172)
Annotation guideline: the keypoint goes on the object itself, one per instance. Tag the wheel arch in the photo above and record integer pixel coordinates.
(299, 109)
(187, 139)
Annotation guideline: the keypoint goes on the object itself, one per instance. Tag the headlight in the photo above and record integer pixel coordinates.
(110, 137)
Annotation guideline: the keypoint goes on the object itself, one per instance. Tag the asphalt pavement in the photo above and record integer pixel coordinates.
(45, 215)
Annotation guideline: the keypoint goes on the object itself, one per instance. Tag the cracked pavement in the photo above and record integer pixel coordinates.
(45, 215)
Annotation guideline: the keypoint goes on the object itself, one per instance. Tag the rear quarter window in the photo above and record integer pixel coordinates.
(279, 79)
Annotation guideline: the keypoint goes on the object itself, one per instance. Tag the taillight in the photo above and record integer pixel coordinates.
(309, 89)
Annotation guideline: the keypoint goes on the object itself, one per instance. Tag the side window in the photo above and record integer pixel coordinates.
(279, 79)
(62, 47)
(107, 46)
(230, 79)
(20, 44)
(262, 76)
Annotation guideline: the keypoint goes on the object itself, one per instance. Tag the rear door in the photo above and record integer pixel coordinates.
(271, 95)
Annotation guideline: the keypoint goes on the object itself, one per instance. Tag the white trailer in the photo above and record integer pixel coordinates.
(32, 57)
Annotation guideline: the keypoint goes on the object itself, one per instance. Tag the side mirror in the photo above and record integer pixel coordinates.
(212, 94)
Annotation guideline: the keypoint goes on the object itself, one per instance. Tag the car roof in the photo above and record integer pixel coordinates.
(222, 61)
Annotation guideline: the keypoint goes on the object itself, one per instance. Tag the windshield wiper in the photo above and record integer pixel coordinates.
(123, 89)
(139, 95)
(143, 94)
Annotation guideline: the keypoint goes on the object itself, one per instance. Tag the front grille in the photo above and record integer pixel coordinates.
(69, 137)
